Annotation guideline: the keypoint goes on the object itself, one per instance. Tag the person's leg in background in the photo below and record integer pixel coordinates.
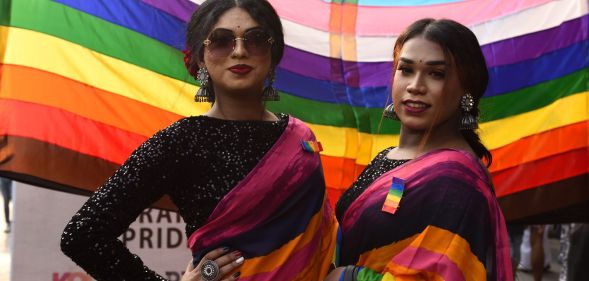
(536, 239)
(5, 188)
(515, 232)
(563, 256)
(578, 260)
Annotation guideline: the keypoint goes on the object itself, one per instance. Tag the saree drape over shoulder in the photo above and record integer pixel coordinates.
(278, 216)
(448, 225)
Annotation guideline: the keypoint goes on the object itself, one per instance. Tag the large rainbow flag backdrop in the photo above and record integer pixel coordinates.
(82, 83)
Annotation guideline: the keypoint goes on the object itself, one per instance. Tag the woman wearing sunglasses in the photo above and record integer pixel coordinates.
(426, 210)
(247, 182)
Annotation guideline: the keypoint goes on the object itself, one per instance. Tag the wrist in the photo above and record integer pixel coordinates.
(350, 273)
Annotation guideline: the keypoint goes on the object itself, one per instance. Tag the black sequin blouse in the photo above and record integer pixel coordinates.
(196, 161)
(378, 166)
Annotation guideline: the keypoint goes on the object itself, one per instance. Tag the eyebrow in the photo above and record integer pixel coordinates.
(433, 62)
(225, 29)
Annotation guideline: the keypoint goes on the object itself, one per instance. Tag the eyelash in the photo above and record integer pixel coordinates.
(404, 69)
(438, 74)
(435, 74)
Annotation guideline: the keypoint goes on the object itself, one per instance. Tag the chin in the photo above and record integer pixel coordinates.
(240, 89)
(245, 90)
(415, 124)
(243, 85)
(416, 127)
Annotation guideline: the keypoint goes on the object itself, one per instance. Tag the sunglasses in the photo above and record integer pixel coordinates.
(221, 42)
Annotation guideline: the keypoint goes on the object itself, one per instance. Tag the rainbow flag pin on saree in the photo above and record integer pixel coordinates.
(312, 146)
(391, 203)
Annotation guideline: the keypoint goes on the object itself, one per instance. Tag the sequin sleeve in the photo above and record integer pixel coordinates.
(90, 238)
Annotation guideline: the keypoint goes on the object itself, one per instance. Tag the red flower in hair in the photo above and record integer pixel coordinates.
(187, 59)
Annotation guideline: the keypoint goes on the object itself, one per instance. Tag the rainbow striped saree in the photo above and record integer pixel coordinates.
(278, 216)
(447, 226)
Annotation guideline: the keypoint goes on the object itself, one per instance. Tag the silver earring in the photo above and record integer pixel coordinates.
(468, 121)
(204, 94)
(269, 93)
(389, 112)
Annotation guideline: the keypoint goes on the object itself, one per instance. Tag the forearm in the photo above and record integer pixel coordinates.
(91, 237)
(118, 264)
(100, 253)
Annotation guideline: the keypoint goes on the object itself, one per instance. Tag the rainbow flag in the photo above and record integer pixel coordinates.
(82, 83)
(312, 146)
(391, 202)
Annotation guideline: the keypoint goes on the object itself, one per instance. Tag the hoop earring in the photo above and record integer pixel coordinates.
(389, 112)
(468, 121)
(269, 93)
(204, 94)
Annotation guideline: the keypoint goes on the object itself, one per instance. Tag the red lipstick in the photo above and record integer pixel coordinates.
(241, 69)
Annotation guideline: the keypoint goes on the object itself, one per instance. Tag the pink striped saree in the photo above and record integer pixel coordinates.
(278, 216)
(448, 225)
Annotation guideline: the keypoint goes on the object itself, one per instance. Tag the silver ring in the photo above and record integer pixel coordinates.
(209, 270)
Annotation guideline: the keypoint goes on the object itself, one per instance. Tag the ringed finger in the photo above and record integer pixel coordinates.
(232, 266)
(228, 258)
(216, 253)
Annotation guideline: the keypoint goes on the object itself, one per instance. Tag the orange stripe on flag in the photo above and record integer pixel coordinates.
(340, 172)
(56, 126)
(41, 87)
(541, 145)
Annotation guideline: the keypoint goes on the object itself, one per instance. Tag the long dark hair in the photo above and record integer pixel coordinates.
(460, 44)
(207, 15)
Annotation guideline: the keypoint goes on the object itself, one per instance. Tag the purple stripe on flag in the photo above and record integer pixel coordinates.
(181, 9)
(536, 44)
(378, 74)
(366, 74)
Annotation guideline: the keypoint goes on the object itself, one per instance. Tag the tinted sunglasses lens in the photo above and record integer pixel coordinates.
(221, 43)
(256, 42)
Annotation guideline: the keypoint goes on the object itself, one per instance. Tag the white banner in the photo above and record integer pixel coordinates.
(41, 214)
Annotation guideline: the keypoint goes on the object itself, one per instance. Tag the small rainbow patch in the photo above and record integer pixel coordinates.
(312, 146)
(391, 203)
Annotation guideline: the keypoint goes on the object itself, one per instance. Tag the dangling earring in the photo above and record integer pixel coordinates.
(468, 120)
(203, 94)
(269, 93)
(389, 112)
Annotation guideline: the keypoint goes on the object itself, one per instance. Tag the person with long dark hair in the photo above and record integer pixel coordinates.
(247, 182)
(426, 209)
